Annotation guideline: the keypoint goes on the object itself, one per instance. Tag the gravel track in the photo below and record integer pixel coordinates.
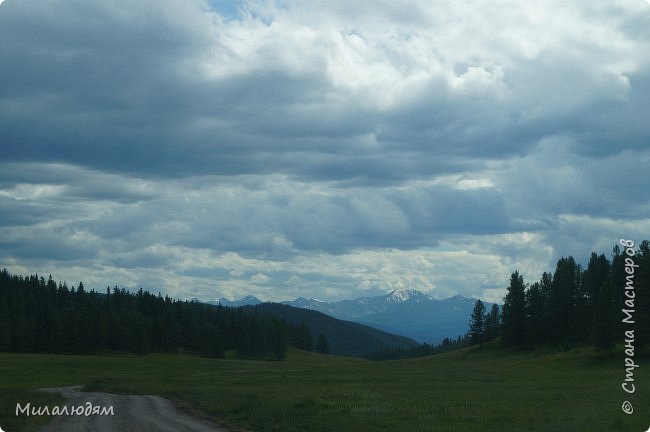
(132, 414)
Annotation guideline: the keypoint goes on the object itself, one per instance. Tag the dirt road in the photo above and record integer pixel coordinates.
(131, 413)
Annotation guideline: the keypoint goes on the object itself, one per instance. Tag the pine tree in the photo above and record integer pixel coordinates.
(477, 324)
(604, 324)
(278, 342)
(322, 346)
(596, 275)
(493, 323)
(563, 301)
(514, 311)
(5, 329)
(545, 324)
(535, 313)
(642, 300)
(617, 276)
(300, 336)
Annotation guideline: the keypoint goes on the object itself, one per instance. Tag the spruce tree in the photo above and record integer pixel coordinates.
(477, 324)
(5, 329)
(493, 323)
(642, 288)
(278, 342)
(604, 324)
(322, 346)
(545, 324)
(514, 311)
(535, 313)
(595, 277)
(563, 302)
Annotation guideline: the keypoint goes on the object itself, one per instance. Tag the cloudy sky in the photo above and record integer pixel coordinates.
(326, 149)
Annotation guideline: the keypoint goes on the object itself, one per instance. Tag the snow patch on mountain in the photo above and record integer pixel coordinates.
(404, 295)
(407, 312)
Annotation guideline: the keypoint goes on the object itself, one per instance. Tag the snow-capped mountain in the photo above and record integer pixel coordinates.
(427, 320)
(406, 312)
(246, 301)
(407, 295)
(409, 312)
(362, 306)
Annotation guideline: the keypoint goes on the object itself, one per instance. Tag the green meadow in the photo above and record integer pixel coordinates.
(485, 390)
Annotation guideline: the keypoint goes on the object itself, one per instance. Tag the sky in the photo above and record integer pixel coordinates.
(327, 149)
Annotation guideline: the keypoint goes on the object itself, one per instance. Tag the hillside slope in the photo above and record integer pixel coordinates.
(344, 337)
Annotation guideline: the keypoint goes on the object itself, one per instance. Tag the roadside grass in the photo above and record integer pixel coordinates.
(485, 389)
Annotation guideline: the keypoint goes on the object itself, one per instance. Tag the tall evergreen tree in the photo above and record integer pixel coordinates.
(563, 301)
(278, 342)
(535, 314)
(596, 275)
(493, 323)
(514, 311)
(476, 331)
(604, 323)
(5, 329)
(642, 293)
(322, 346)
(618, 275)
(300, 337)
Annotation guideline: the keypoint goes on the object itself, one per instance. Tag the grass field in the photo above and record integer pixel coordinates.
(470, 390)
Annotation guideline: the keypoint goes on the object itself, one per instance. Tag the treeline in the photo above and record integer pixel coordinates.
(578, 306)
(301, 337)
(38, 315)
(484, 326)
(422, 350)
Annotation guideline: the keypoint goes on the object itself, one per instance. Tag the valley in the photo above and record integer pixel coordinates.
(409, 313)
(472, 389)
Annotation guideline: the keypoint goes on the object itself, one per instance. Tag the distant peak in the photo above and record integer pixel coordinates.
(317, 301)
(459, 297)
(403, 295)
(245, 301)
(299, 300)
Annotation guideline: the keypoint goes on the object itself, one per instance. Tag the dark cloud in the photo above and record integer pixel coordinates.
(166, 89)
(273, 145)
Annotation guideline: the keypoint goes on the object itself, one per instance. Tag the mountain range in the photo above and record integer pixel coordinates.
(343, 337)
(409, 313)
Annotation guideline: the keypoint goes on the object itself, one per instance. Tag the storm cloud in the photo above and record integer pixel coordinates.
(322, 149)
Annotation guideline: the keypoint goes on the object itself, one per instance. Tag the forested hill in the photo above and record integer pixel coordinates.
(38, 315)
(344, 337)
(607, 302)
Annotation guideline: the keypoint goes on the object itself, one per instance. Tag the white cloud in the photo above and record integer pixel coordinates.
(260, 278)
(324, 149)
